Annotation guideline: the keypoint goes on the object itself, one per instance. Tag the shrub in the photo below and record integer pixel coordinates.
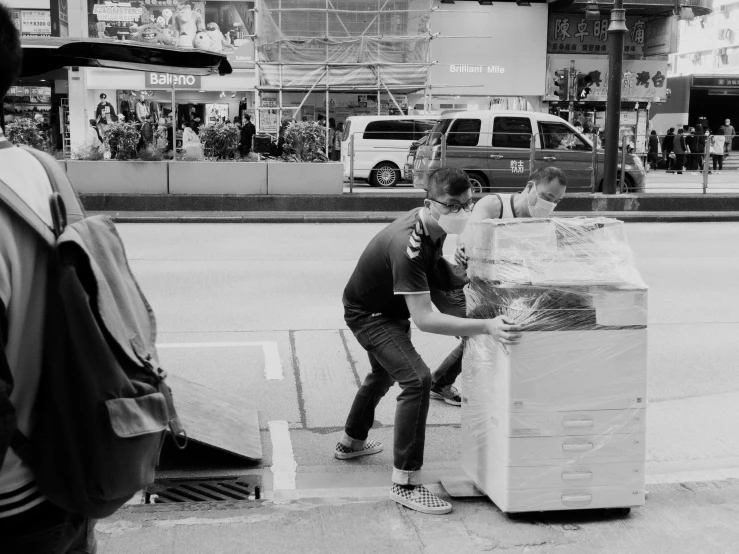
(25, 131)
(123, 139)
(151, 154)
(305, 141)
(220, 140)
(88, 152)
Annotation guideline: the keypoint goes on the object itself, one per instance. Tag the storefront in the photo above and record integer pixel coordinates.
(578, 53)
(215, 25)
(43, 98)
(486, 57)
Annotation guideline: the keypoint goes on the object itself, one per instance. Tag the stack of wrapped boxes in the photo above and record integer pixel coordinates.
(557, 421)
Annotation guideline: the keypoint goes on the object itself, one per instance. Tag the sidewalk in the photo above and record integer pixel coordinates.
(690, 519)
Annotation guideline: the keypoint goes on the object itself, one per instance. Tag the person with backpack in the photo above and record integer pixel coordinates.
(83, 403)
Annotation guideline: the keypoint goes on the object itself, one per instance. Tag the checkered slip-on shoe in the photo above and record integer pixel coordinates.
(420, 499)
(448, 394)
(346, 453)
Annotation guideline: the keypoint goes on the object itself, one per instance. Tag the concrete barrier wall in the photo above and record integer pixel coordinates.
(204, 178)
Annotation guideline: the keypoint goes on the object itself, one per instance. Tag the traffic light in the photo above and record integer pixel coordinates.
(584, 82)
(562, 84)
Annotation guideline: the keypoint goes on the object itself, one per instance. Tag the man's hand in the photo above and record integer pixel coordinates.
(460, 256)
(503, 331)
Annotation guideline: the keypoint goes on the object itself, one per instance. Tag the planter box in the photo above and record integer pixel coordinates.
(217, 177)
(114, 177)
(305, 178)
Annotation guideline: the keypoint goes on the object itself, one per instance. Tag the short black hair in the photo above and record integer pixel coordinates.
(549, 174)
(247, 117)
(448, 180)
(11, 53)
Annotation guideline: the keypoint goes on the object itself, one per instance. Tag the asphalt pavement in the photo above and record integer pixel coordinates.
(233, 289)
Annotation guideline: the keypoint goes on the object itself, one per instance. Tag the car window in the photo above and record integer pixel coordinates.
(512, 132)
(421, 127)
(557, 136)
(389, 130)
(464, 132)
(438, 130)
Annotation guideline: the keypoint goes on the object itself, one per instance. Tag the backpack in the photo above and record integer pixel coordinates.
(103, 408)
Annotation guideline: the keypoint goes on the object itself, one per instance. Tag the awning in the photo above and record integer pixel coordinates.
(44, 54)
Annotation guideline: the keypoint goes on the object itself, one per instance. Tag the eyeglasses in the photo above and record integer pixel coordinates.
(454, 208)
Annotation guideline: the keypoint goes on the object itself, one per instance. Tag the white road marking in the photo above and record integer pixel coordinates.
(272, 362)
(284, 467)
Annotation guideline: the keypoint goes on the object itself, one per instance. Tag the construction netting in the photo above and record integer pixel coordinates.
(344, 43)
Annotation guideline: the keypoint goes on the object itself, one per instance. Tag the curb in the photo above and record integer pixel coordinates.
(386, 217)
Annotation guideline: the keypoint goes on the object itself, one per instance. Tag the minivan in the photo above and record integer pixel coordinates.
(493, 147)
(381, 145)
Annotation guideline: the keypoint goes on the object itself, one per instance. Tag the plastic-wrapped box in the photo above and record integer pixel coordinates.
(557, 421)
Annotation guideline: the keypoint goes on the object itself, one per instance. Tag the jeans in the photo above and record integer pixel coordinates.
(450, 303)
(393, 358)
(47, 529)
(718, 161)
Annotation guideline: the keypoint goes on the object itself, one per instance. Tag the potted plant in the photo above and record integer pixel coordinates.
(147, 175)
(219, 173)
(305, 168)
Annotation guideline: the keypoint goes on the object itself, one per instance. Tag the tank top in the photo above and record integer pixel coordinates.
(506, 206)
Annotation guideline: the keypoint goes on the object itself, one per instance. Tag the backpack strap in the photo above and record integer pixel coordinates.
(28, 215)
(59, 184)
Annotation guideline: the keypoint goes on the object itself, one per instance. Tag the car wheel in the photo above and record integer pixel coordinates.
(629, 188)
(384, 174)
(478, 181)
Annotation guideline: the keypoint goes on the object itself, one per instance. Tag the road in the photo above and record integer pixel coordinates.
(282, 284)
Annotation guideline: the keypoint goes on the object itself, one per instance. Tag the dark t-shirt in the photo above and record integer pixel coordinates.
(400, 260)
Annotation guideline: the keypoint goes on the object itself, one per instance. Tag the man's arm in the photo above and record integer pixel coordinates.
(428, 321)
(488, 207)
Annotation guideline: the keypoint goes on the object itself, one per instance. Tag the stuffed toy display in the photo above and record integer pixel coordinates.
(184, 28)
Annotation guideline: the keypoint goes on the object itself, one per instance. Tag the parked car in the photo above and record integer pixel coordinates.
(381, 145)
(494, 148)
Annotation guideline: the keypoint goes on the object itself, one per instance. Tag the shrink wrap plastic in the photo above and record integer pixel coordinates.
(557, 421)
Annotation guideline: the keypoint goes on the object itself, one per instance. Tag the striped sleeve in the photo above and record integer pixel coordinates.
(19, 500)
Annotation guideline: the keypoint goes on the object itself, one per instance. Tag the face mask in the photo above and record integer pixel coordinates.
(542, 208)
(453, 224)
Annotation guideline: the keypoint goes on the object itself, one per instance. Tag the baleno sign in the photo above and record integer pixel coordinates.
(167, 80)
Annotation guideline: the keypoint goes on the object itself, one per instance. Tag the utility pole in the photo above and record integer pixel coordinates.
(616, 34)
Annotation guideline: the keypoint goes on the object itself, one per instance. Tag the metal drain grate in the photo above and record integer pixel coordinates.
(225, 489)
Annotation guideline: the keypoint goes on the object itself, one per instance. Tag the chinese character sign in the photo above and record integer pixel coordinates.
(574, 33)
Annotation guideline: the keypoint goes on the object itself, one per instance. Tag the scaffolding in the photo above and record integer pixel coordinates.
(377, 46)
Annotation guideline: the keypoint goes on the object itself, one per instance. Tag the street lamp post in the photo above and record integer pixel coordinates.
(616, 34)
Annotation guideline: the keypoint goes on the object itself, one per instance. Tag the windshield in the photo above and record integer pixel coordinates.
(439, 129)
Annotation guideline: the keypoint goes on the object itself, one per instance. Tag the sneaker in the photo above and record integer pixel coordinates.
(420, 499)
(346, 453)
(448, 394)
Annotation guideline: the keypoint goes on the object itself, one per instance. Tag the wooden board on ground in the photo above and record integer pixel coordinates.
(217, 419)
(460, 486)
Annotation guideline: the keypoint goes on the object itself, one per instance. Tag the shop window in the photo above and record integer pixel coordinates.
(464, 132)
(557, 136)
(512, 132)
(389, 130)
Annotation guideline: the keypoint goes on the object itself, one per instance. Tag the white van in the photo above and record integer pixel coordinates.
(381, 145)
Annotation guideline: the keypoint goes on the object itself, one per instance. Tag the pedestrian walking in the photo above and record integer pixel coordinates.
(718, 144)
(653, 150)
(391, 284)
(681, 150)
(700, 146)
(247, 134)
(667, 149)
(543, 192)
(727, 129)
(338, 138)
